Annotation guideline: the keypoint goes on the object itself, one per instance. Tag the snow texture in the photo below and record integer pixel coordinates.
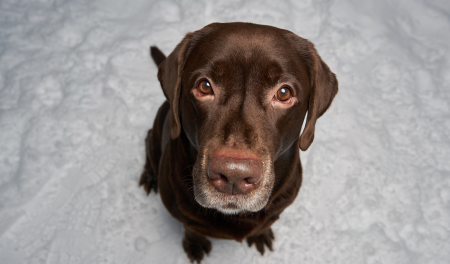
(78, 93)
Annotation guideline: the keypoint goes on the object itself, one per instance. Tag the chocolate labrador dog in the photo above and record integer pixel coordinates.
(224, 148)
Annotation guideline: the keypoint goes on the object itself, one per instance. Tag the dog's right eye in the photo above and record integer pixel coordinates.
(205, 87)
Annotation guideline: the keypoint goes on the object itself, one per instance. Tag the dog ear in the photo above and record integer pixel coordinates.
(324, 87)
(169, 75)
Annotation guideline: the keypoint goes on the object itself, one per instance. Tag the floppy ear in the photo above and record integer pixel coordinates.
(324, 87)
(169, 75)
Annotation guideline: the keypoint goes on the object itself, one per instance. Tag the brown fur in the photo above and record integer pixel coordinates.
(246, 65)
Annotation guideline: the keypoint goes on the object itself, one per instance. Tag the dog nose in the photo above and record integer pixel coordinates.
(234, 176)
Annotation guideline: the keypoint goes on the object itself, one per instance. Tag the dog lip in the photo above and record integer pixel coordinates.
(231, 206)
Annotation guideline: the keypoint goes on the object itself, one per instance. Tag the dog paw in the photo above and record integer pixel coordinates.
(195, 246)
(148, 180)
(262, 239)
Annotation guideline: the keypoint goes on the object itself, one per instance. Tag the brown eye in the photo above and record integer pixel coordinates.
(283, 94)
(205, 87)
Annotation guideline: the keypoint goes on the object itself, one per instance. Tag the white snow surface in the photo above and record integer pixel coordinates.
(78, 92)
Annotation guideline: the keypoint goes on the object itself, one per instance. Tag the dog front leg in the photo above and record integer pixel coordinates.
(264, 239)
(148, 178)
(195, 245)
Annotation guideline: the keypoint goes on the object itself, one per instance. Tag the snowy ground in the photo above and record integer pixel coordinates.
(78, 93)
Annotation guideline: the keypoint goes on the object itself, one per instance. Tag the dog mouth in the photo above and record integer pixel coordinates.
(231, 206)
(230, 209)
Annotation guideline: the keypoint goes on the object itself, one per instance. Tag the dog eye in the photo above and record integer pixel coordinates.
(205, 87)
(283, 94)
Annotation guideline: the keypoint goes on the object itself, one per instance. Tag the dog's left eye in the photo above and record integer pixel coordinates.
(283, 94)
(205, 87)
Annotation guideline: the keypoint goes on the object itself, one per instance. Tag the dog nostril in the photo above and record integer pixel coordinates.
(252, 180)
(223, 177)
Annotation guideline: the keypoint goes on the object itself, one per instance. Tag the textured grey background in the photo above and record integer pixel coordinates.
(78, 93)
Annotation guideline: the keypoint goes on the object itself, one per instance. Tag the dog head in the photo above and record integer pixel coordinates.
(240, 92)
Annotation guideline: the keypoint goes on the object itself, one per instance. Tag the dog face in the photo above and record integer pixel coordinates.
(243, 92)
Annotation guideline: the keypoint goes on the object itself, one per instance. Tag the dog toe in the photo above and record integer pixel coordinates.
(196, 246)
(148, 181)
(196, 250)
(262, 240)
